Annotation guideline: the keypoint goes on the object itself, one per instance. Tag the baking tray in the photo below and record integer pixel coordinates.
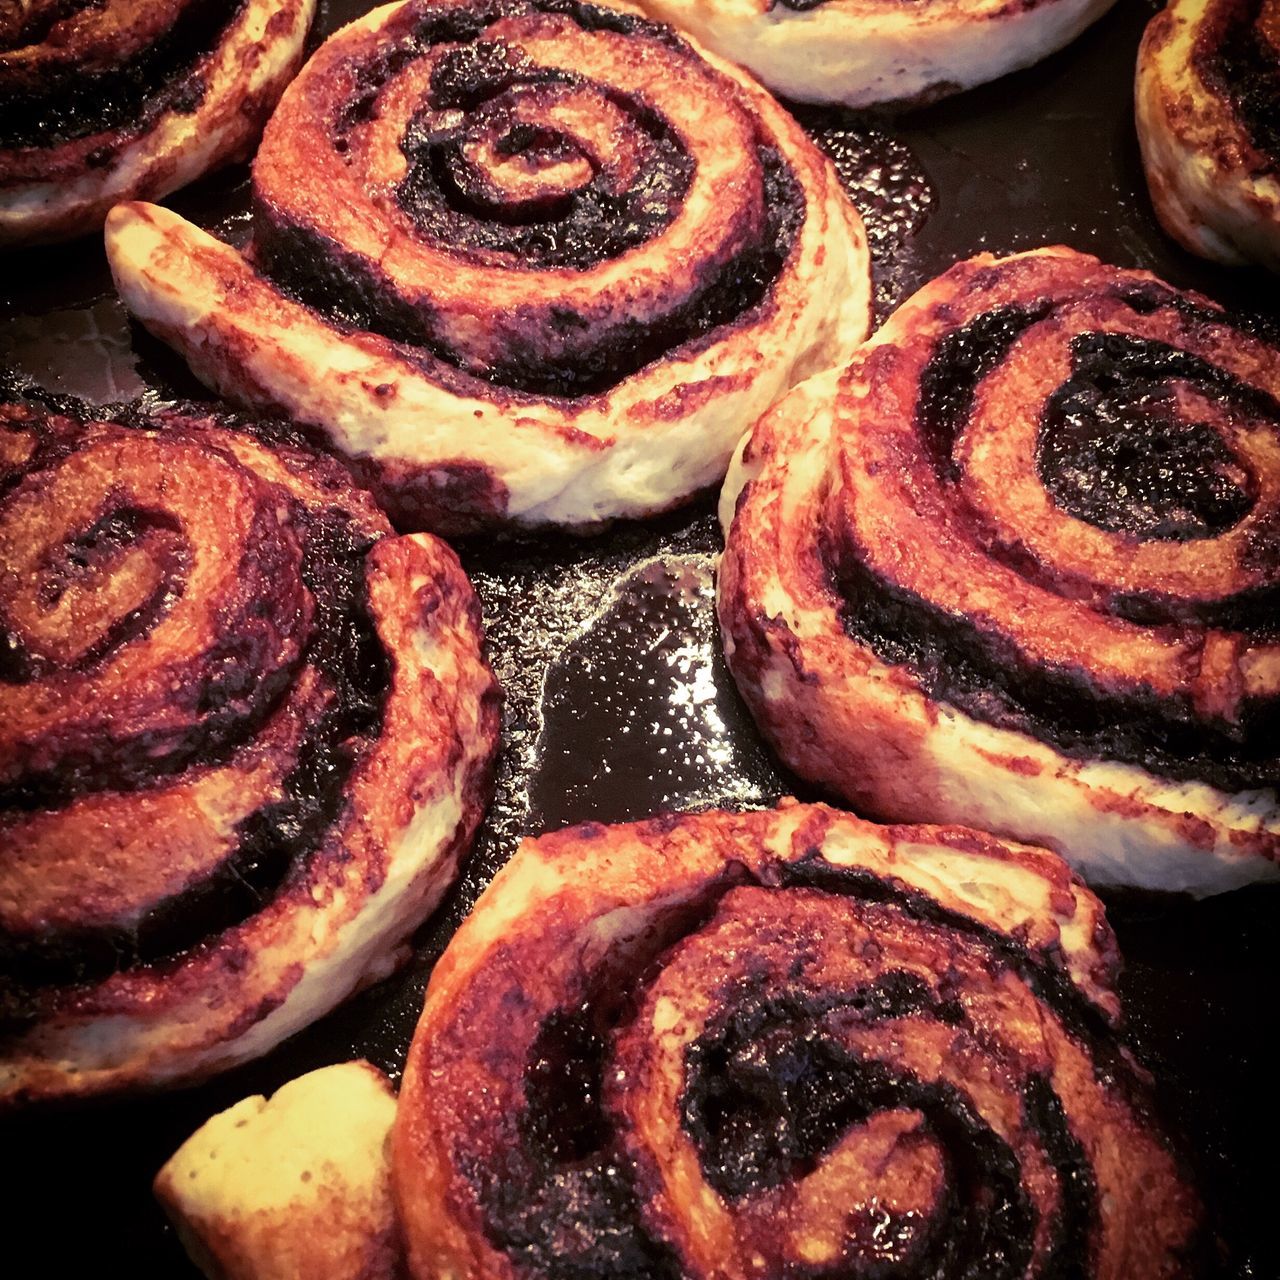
(618, 703)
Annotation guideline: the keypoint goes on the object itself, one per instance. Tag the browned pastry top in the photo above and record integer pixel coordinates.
(543, 194)
(782, 1043)
(1056, 495)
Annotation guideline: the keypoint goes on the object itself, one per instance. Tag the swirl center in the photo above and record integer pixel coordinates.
(531, 163)
(87, 591)
(1134, 441)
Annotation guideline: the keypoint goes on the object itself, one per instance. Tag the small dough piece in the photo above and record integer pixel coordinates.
(291, 1188)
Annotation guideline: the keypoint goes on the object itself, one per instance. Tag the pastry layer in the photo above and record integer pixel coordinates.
(1207, 86)
(1016, 567)
(131, 99)
(863, 52)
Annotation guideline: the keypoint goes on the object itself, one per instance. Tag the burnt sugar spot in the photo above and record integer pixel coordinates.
(1114, 449)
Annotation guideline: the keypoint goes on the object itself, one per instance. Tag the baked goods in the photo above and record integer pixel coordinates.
(1208, 102)
(779, 1043)
(244, 740)
(863, 52)
(522, 261)
(296, 1186)
(1018, 567)
(107, 100)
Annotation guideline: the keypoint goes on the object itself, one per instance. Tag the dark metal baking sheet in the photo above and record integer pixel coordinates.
(618, 703)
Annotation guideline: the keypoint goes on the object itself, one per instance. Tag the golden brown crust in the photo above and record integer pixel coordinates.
(998, 569)
(549, 258)
(732, 1044)
(245, 745)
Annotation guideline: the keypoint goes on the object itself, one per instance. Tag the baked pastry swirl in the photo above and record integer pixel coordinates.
(1208, 86)
(782, 1043)
(517, 260)
(863, 52)
(244, 740)
(115, 99)
(1019, 566)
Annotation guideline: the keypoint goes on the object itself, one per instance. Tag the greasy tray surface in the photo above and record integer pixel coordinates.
(617, 703)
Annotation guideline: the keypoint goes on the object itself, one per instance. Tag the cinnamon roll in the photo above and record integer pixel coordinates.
(863, 52)
(1208, 89)
(782, 1043)
(244, 740)
(1019, 567)
(107, 100)
(528, 261)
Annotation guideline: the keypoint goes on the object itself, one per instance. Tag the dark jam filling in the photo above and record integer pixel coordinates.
(1114, 452)
(765, 1096)
(1117, 401)
(1239, 64)
(979, 671)
(562, 1204)
(321, 274)
(163, 77)
(765, 1100)
(950, 380)
(275, 840)
(574, 229)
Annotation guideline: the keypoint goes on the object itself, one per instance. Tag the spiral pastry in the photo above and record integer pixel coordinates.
(1208, 89)
(244, 739)
(1018, 567)
(863, 52)
(781, 1043)
(107, 100)
(518, 260)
